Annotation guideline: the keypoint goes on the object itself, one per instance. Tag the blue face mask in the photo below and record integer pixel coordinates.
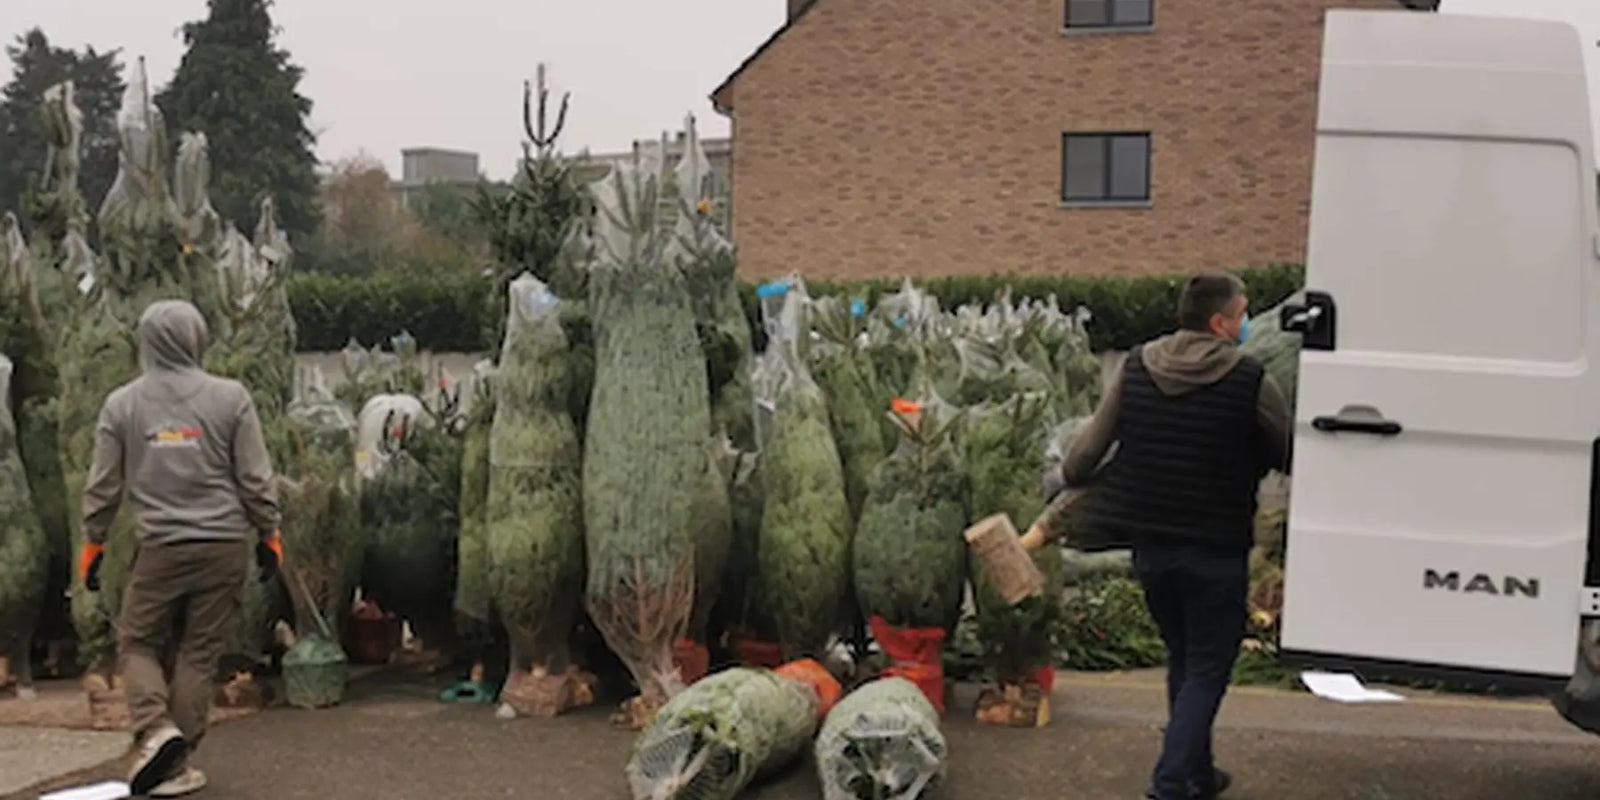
(1244, 327)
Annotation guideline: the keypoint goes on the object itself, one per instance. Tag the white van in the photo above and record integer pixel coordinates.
(1444, 519)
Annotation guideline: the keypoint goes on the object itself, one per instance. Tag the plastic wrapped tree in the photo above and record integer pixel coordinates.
(910, 561)
(843, 370)
(24, 553)
(534, 516)
(719, 313)
(881, 742)
(143, 245)
(656, 512)
(804, 549)
(474, 602)
(55, 206)
(730, 730)
(1004, 448)
(322, 534)
(409, 500)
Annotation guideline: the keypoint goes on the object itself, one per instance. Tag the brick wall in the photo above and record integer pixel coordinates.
(893, 137)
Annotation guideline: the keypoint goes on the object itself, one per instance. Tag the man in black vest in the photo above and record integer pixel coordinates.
(1197, 425)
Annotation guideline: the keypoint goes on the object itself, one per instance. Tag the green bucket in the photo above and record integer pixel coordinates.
(315, 671)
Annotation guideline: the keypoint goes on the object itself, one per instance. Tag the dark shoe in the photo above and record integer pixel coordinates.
(1221, 780)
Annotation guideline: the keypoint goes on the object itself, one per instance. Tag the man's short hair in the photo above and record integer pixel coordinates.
(1205, 296)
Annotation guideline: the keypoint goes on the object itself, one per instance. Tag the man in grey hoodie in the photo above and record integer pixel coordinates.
(1197, 425)
(187, 450)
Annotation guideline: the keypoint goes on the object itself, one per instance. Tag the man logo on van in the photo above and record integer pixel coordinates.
(1480, 583)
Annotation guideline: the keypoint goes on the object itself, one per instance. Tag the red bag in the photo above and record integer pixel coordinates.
(909, 645)
(1046, 678)
(756, 653)
(693, 660)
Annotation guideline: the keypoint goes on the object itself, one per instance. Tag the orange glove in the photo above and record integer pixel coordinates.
(90, 557)
(269, 556)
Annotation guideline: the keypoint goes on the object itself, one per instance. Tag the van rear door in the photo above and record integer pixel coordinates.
(1448, 406)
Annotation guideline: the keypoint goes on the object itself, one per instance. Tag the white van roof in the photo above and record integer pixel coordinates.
(1528, 69)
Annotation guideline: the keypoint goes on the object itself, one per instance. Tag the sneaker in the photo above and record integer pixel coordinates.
(188, 781)
(160, 754)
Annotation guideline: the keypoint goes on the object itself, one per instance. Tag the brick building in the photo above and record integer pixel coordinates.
(880, 138)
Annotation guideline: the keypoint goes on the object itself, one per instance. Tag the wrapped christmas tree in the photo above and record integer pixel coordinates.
(881, 742)
(656, 511)
(409, 500)
(910, 561)
(321, 528)
(708, 266)
(1004, 448)
(24, 553)
(804, 548)
(534, 514)
(474, 600)
(1277, 349)
(843, 370)
(724, 733)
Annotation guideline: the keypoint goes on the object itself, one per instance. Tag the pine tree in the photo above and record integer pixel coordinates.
(97, 84)
(239, 89)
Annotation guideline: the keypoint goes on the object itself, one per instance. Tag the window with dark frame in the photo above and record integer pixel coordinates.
(1111, 14)
(1105, 167)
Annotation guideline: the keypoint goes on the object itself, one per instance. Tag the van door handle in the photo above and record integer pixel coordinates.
(1357, 419)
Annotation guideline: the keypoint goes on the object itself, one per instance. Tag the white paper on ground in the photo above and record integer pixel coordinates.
(110, 790)
(1345, 688)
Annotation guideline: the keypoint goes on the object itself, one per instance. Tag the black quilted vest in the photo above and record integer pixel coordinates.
(1187, 466)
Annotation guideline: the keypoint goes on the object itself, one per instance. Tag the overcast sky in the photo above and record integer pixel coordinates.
(388, 74)
(402, 73)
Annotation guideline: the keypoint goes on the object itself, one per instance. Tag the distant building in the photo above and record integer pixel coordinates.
(425, 166)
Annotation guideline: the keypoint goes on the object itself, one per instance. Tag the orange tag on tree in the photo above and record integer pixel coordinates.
(817, 677)
(905, 408)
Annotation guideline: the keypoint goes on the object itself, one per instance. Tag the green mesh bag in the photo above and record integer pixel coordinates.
(720, 735)
(315, 672)
(881, 742)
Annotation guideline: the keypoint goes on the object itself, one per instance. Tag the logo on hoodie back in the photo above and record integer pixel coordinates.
(172, 434)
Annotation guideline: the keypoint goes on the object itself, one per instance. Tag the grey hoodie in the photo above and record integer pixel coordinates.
(185, 446)
(1179, 363)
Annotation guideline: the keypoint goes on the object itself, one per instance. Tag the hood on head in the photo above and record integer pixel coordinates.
(172, 336)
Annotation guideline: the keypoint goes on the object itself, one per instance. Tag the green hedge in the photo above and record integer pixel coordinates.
(446, 313)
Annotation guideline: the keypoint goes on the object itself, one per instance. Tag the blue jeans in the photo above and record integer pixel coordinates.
(1198, 596)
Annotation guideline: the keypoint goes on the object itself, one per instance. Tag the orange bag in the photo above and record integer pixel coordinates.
(693, 660)
(816, 676)
(908, 645)
(928, 678)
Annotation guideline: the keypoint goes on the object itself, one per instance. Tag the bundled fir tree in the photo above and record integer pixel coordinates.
(24, 553)
(534, 513)
(474, 601)
(844, 371)
(409, 504)
(1004, 445)
(708, 266)
(655, 507)
(804, 546)
(322, 533)
(910, 561)
(881, 742)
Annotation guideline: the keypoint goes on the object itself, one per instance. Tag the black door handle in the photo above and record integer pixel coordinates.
(1357, 419)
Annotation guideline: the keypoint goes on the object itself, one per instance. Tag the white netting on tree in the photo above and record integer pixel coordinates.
(881, 742)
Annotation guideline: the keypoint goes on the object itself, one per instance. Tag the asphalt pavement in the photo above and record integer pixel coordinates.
(393, 740)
